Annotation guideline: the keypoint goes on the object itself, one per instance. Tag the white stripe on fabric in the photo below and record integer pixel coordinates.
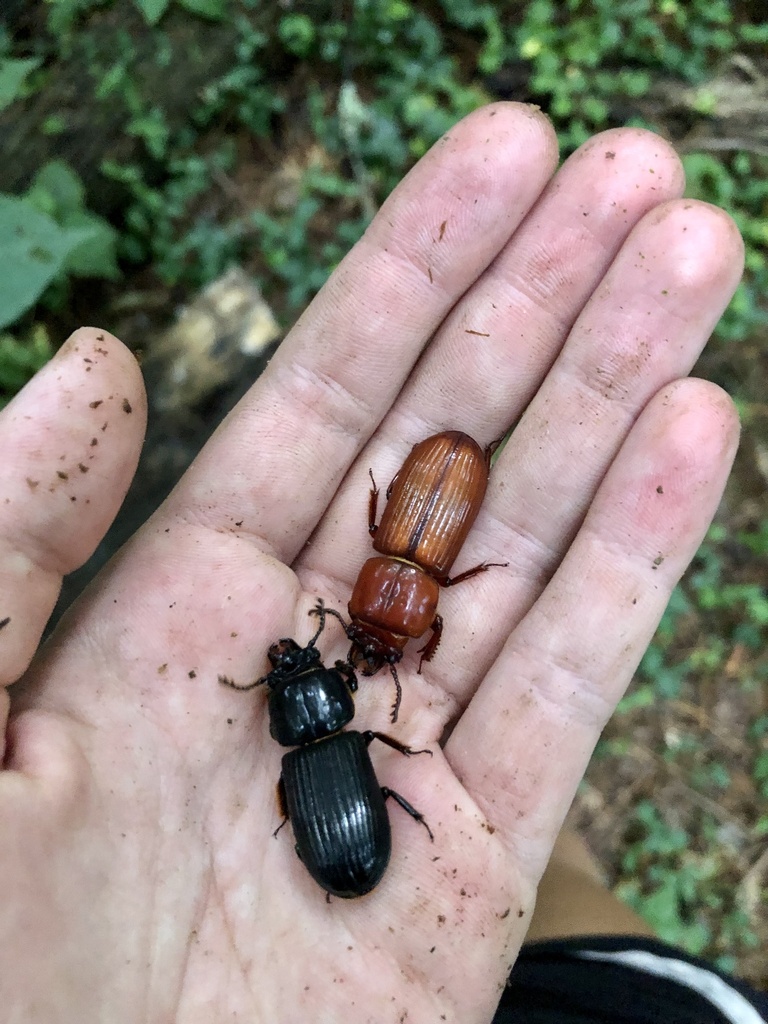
(729, 1002)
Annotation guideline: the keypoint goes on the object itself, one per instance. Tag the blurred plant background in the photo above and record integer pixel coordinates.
(150, 145)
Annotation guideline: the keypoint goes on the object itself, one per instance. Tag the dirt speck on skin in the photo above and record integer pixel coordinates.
(32, 484)
(610, 155)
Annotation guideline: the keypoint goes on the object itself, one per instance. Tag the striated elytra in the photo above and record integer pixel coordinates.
(328, 788)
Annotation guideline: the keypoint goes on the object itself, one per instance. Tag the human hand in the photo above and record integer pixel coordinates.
(141, 878)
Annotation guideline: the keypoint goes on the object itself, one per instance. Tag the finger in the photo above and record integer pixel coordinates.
(645, 325)
(497, 345)
(524, 742)
(507, 330)
(71, 441)
(278, 460)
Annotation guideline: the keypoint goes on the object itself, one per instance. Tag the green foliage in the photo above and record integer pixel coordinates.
(13, 78)
(152, 10)
(20, 360)
(46, 235)
(585, 56)
(670, 882)
(287, 241)
(161, 228)
(213, 10)
(64, 13)
(58, 192)
(739, 185)
(33, 251)
(297, 33)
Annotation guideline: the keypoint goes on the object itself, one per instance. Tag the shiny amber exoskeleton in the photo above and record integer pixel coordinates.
(433, 502)
(431, 505)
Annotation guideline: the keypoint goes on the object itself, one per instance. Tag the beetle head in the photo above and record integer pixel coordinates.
(288, 658)
(373, 648)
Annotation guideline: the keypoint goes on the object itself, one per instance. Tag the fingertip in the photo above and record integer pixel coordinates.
(88, 342)
(505, 122)
(704, 245)
(703, 418)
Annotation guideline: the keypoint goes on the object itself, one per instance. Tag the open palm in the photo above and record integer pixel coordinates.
(142, 881)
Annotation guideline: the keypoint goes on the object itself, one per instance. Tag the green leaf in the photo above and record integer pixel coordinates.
(57, 189)
(152, 10)
(13, 75)
(58, 192)
(33, 250)
(64, 13)
(20, 360)
(95, 254)
(215, 10)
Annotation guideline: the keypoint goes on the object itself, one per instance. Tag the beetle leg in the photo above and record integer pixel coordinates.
(451, 581)
(347, 672)
(392, 483)
(492, 448)
(282, 806)
(373, 504)
(386, 792)
(398, 694)
(369, 736)
(428, 650)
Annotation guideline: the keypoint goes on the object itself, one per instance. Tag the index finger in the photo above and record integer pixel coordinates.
(274, 465)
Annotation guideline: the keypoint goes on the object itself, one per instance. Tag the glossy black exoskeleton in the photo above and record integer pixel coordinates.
(328, 788)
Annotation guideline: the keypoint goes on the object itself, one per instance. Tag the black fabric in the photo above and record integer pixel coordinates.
(552, 984)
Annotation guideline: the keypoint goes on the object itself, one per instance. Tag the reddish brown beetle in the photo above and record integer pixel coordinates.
(431, 505)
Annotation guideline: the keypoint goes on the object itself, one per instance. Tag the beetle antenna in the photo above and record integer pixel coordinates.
(320, 610)
(226, 681)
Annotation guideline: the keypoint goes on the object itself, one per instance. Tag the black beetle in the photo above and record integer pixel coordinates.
(328, 788)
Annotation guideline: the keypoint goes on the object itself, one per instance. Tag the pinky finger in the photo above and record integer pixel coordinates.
(70, 441)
